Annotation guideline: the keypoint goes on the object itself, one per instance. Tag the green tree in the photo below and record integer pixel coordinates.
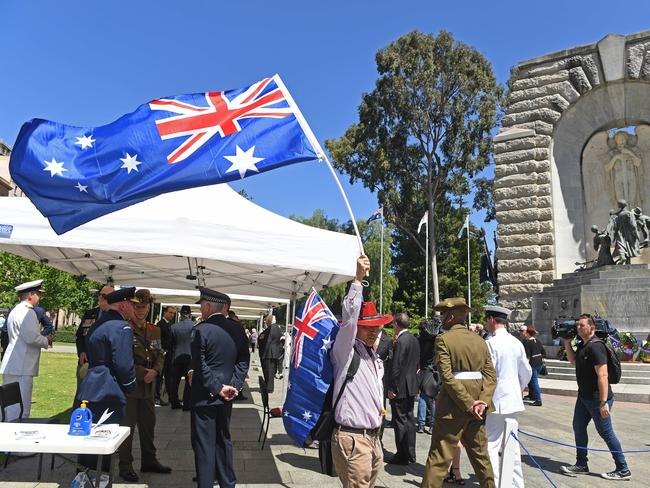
(423, 131)
(62, 290)
(452, 251)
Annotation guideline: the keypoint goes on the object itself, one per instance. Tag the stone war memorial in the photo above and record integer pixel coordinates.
(572, 186)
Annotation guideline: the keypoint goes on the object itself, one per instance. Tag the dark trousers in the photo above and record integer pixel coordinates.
(4, 342)
(97, 409)
(212, 446)
(166, 377)
(405, 429)
(140, 412)
(586, 410)
(180, 367)
(269, 368)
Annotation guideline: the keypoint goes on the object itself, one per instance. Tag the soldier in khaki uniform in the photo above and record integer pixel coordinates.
(149, 360)
(468, 381)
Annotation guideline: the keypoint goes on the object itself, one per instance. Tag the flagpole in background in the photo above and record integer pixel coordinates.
(425, 220)
(469, 276)
(381, 264)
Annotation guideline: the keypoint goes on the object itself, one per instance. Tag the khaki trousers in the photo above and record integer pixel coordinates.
(140, 412)
(357, 458)
(445, 437)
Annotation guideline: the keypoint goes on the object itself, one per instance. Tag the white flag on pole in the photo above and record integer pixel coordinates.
(423, 220)
(465, 226)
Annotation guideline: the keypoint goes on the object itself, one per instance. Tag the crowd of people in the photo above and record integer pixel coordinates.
(461, 385)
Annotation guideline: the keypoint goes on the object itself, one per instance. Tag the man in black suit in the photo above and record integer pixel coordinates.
(165, 326)
(270, 349)
(402, 388)
(220, 360)
(180, 357)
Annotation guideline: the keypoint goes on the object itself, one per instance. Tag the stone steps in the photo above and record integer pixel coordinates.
(632, 373)
(569, 387)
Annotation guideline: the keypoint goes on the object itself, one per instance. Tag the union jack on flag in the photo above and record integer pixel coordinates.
(310, 370)
(76, 174)
(220, 116)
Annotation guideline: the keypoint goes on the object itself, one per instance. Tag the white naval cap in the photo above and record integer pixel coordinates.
(497, 311)
(30, 286)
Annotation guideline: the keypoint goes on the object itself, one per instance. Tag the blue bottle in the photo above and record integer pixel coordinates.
(81, 420)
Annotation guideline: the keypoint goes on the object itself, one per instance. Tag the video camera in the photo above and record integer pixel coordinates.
(568, 328)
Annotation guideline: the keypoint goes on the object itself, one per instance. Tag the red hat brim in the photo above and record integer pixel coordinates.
(378, 321)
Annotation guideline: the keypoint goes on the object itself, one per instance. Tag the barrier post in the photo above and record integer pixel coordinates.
(507, 454)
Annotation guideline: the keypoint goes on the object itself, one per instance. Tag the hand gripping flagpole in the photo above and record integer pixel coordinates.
(319, 150)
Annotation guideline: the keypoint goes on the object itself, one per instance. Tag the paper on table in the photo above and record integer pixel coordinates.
(104, 433)
(23, 435)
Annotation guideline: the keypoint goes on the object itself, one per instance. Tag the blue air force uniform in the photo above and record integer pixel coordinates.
(220, 356)
(111, 373)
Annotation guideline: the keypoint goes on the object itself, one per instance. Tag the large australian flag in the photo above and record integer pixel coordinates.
(310, 369)
(76, 174)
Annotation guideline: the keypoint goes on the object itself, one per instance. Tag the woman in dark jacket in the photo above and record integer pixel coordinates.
(535, 353)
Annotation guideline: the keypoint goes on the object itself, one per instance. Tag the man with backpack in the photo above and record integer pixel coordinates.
(358, 410)
(594, 363)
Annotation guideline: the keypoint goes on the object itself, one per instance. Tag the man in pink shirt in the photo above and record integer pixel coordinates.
(356, 447)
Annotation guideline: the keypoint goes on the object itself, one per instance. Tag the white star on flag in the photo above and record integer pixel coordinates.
(243, 161)
(327, 343)
(81, 188)
(288, 385)
(306, 415)
(85, 141)
(286, 413)
(54, 167)
(130, 163)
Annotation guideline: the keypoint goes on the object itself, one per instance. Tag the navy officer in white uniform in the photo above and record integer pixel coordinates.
(513, 374)
(22, 357)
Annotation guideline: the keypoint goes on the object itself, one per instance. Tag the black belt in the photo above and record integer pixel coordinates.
(354, 430)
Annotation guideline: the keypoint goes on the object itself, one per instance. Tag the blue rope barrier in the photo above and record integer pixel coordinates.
(533, 460)
(585, 448)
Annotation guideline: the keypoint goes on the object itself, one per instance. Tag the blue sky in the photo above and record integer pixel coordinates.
(87, 63)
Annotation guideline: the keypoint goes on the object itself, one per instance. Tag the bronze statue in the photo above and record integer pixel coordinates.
(602, 244)
(626, 236)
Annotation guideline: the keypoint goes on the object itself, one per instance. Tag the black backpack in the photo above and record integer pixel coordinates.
(614, 370)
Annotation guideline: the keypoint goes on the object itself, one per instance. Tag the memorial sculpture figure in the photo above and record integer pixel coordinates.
(625, 168)
(625, 235)
(602, 244)
(643, 227)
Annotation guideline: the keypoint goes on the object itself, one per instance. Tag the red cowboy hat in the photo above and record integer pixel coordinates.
(370, 318)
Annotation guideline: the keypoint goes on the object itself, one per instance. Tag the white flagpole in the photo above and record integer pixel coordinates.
(319, 151)
(426, 276)
(381, 269)
(469, 279)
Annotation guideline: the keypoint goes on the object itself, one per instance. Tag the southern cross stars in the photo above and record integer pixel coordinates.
(54, 167)
(130, 163)
(85, 141)
(243, 161)
(81, 188)
(327, 343)
(306, 415)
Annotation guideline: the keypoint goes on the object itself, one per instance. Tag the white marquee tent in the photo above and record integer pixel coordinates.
(209, 235)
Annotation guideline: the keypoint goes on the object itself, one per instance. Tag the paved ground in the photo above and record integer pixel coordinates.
(282, 465)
